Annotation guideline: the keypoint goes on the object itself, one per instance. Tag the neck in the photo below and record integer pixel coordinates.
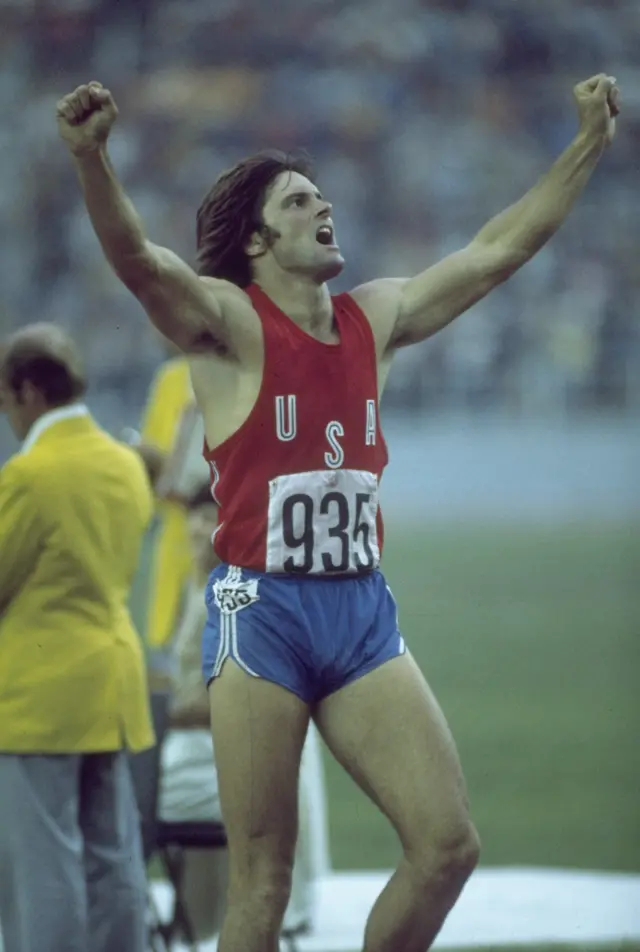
(307, 303)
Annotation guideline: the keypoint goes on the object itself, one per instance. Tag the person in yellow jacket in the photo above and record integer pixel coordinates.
(170, 395)
(74, 507)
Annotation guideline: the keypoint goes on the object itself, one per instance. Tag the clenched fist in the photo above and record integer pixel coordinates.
(85, 117)
(598, 105)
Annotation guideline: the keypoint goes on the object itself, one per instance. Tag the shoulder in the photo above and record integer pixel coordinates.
(242, 321)
(380, 302)
(228, 295)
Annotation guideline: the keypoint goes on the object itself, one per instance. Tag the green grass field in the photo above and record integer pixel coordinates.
(531, 640)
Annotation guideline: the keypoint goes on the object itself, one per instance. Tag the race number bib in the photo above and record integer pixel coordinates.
(323, 522)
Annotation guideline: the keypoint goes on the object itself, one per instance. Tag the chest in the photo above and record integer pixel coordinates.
(333, 433)
(313, 392)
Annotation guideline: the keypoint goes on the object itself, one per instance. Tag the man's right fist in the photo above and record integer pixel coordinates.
(85, 117)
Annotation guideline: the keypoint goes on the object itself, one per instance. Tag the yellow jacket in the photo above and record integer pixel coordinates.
(74, 507)
(171, 566)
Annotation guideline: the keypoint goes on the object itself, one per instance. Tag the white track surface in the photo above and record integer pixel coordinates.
(498, 907)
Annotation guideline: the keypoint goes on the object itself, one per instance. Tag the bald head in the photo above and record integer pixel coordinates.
(43, 357)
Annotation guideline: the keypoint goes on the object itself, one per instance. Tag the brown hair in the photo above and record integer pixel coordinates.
(44, 356)
(232, 211)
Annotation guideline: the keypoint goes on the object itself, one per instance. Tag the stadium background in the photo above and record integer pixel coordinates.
(512, 497)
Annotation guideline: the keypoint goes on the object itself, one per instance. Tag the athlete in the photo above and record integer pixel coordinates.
(301, 622)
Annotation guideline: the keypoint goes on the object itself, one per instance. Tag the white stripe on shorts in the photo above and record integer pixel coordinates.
(228, 647)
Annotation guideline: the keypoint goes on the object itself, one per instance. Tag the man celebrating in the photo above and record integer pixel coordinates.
(301, 622)
(74, 506)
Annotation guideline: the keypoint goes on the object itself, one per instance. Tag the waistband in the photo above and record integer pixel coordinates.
(221, 570)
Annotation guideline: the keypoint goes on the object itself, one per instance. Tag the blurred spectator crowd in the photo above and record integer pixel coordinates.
(425, 119)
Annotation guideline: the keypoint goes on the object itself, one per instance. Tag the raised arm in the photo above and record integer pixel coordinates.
(408, 310)
(182, 306)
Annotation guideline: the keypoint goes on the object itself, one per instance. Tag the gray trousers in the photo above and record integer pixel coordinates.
(72, 876)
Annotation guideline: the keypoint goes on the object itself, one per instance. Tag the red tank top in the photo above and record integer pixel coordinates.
(297, 484)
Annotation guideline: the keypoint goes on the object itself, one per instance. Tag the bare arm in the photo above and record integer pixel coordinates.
(416, 308)
(181, 305)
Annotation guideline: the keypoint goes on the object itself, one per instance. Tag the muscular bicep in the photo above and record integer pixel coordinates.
(408, 310)
(432, 299)
(183, 306)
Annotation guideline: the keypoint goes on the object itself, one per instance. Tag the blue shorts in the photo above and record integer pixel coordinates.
(310, 635)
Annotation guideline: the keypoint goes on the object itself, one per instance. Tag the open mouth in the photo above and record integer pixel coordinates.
(324, 235)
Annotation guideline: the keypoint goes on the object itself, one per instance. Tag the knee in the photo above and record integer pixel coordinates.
(449, 859)
(465, 854)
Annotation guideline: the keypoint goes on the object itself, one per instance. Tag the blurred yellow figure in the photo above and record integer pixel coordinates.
(74, 507)
(169, 397)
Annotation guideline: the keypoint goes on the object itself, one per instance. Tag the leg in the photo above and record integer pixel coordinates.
(258, 732)
(42, 886)
(205, 881)
(189, 792)
(114, 866)
(388, 732)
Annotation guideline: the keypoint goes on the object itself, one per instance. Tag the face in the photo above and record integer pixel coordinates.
(304, 242)
(202, 523)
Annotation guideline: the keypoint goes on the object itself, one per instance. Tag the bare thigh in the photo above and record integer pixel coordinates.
(258, 732)
(388, 732)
